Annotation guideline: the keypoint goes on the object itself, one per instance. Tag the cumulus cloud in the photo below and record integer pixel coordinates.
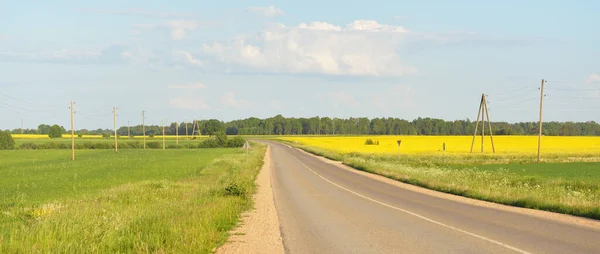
(188, 103)
(268, 11)
(363, 47)
(192, 86)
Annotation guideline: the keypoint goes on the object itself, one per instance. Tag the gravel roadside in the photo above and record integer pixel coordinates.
(259, 231)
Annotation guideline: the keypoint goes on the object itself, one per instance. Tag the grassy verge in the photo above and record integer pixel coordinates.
(570, 188)
(175, 201)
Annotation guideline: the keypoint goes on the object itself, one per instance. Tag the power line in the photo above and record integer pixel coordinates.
(575, 89)
(30, 103)
(525, 88)
(15, 108)
(574, 82)
(512, 100)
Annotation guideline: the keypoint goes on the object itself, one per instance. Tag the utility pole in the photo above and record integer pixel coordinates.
(482, 122)
(144, 128)
(163, 132)
(540, 134)
(476, 124)
(72, 131)
(177, 132)
(115, 127)
(487, 113)
(186, 130)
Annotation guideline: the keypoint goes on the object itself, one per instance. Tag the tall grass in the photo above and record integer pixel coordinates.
(183, 204)
(546, 189)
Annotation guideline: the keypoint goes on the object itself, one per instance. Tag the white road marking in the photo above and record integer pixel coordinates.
(415, 214)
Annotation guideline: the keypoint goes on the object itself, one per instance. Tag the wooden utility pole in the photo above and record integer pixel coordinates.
(115, 127)
(540, 134)
(144, 128)
(482, 122)
(487, 113)
(163, 132)
(483, 112)
(72, 131)
(476, 124)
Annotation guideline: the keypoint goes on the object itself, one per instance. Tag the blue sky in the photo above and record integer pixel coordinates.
(181, 60)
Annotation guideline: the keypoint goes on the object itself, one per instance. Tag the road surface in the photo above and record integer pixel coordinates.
(323, 208)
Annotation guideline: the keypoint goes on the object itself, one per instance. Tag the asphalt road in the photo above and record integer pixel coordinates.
(323, 208)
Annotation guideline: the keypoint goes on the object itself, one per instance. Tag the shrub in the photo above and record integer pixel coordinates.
(28, 146)
(209, 143)
(151, 135)
(235, 189)
(370, 142)
(221, 138)
(154, 145)
(80, 135)
(6, 141)
(106, 135)
(237, 141)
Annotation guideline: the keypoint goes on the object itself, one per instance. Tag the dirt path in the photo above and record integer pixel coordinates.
(259, 231)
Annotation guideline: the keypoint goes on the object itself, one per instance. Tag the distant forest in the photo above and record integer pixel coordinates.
(280, 125)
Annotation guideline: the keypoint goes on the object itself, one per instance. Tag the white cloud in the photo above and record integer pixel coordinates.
(178, 29)
(188, 86)
(188, 103)
(373, 26)
(229, 99)
(268, 11)
(363, 47)
(187, 58)
(320, 26)
(139, 12)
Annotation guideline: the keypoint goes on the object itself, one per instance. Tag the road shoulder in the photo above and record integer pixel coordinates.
(259, 231)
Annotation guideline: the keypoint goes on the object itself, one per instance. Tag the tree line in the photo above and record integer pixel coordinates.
(279, 125)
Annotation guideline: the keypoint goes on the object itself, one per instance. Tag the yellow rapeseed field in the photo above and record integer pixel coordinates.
(454, 144)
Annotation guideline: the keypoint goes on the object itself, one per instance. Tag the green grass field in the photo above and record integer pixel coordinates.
(176, 201)
(570, 188)
(168, 141)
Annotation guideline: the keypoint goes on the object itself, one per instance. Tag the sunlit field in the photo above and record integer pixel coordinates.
(45, 136)
(526, 145)
(134, 201)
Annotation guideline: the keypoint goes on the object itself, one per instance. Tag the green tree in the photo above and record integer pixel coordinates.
(6, 141)
(212, 127)
(55, 131)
